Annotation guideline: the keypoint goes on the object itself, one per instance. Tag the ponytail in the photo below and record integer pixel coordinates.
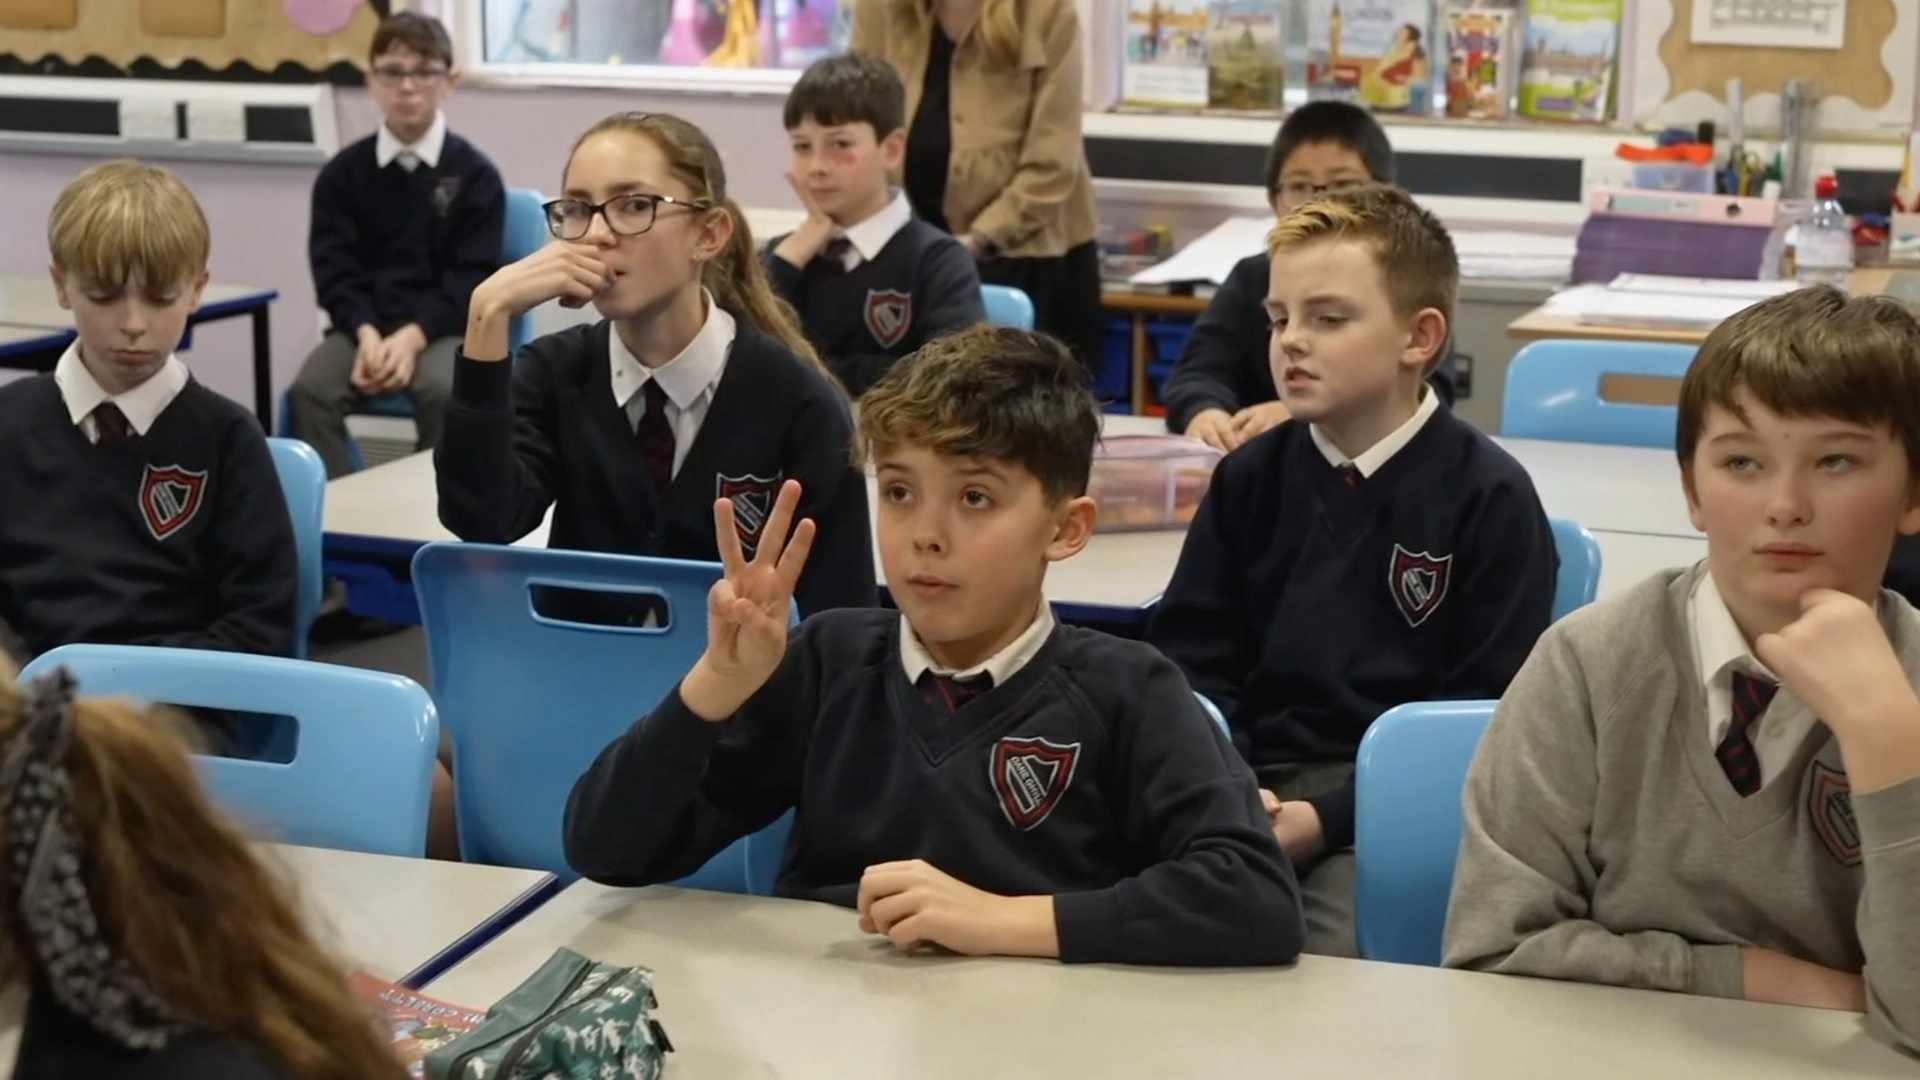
(739, 285)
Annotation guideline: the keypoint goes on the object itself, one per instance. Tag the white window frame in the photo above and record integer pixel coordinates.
(465, 22)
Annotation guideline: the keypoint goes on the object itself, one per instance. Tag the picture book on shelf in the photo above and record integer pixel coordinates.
(1481, 56)
(1567, 70)
(1165, 63)
(419, 1023)
(1371, 52)
(1246, 55)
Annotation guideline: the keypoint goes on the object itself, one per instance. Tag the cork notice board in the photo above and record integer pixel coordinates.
(38, 14)
(1865, 86)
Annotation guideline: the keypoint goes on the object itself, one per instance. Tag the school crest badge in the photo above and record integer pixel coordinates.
(1418, 581)
(1830, 805)
(444, 192)
(889, 316)
(169, 497)
(1030, 776)
(752, 503)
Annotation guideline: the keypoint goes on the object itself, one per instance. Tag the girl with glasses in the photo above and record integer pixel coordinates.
(696, 384)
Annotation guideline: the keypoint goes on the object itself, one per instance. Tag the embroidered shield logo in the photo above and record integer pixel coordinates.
(447, 190)
(752, 502)
(1029, 776)
(1418, 582)
(889, 316)
(169, 497)
(1830, 805)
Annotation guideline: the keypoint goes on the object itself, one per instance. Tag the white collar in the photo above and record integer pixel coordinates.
(13, 1022)
(686, 376)
(1372, 459)
(142, 405)
(871, 236)
(1717, 641)
(387, 145)
(1001, 665)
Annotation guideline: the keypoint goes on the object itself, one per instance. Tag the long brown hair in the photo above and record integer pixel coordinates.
(183, 900)
(999, 25)
(735, 277)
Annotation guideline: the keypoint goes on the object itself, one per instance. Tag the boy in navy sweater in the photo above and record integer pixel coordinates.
(1221, 391)
(405, 223)
(141, 507)
(871, 281)
(967, 773)
(1370, 551)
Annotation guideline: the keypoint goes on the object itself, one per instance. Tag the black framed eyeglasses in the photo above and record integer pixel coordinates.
(1299, 191)
(394, 74)
(626, 215)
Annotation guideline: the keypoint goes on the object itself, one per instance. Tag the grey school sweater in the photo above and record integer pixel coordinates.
(1604, 843)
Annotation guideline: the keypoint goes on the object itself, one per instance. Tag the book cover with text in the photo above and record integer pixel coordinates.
(1372, 52)
(1165, 63)
(1246, 55)
(1571, 49)
(1480, 63)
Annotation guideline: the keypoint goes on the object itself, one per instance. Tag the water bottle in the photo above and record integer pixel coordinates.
(1824, 253)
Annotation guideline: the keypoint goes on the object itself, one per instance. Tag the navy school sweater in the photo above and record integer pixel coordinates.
(389, 247)
(1225, 363)
(1305, 608)
(921, 285)
(177, 537)
(1091, 775)
(544, 431)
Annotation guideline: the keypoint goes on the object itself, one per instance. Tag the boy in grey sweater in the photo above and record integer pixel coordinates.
(1711, 783)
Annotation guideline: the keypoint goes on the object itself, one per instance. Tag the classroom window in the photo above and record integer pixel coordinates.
(706, 35)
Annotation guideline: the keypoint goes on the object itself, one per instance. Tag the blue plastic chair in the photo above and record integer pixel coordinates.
(531, 700)
(303, 479)
(1410, 771)
(362, 770)
(1553, 392)
(523, 232)
(1578, 581)
(1007, 306)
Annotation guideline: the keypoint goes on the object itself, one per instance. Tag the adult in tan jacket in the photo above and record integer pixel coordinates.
(993, 145)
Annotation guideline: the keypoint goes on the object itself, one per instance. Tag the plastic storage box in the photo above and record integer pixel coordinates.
(1150, 481)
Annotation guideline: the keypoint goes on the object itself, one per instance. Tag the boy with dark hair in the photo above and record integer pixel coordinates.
(1370, 551)
(141, 507)
(1711, 783)
(1221, 391)
(966, 772)
(871, 282)
(406, 222)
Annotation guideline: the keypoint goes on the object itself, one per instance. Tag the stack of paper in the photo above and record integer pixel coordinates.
(1531, 256)
(1658, 300)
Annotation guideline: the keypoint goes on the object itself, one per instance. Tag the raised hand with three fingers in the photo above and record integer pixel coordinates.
(748, 608)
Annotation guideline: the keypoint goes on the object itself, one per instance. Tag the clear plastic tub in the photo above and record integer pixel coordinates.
(1150, 481)
(1674, 176)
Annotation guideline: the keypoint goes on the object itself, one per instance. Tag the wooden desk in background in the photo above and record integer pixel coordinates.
(1543, 322)
(1139, 307)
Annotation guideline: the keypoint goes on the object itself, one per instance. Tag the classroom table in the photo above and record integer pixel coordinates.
(1627, 489)
(29, 300)
(405, 920)
(377, 518)
(758, 987)
(1544, 322)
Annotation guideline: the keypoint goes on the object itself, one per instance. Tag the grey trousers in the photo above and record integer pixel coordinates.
(318, 402)
(1326, 883)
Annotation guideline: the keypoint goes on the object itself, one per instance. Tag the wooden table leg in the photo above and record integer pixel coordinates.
(1139, 373)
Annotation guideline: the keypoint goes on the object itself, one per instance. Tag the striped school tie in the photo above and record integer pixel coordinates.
(950, 693)
(656, 438)
(109, 424)
(1350, 474)
(1736, 753)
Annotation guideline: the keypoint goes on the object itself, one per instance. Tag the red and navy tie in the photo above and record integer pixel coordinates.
(109, 424)
(1350, 474)
(950, 693)
(656, 437)
(1750, 698)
